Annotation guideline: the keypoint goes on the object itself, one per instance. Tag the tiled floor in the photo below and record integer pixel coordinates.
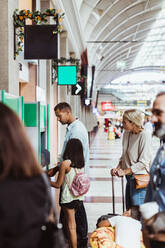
(104, 155)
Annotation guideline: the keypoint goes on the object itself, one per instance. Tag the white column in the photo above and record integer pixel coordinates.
(9, 67)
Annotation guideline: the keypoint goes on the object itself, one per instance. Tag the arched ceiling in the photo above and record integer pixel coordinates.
(115, 31)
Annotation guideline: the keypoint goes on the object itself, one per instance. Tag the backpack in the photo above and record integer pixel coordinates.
(80, 184)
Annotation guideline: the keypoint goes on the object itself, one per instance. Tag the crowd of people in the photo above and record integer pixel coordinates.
(25, 203)
(113, 126)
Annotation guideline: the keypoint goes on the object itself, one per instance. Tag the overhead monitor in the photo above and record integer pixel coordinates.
(67, 74)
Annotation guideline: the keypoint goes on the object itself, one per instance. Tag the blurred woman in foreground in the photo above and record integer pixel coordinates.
(23, 194)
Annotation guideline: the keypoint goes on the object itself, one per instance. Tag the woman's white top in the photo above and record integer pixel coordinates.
(66, 195)
(137, 152)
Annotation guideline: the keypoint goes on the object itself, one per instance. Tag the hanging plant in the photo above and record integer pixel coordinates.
(63, 60)
(37, 17)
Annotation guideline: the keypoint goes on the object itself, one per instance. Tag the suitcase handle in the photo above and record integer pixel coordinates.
(113, 194)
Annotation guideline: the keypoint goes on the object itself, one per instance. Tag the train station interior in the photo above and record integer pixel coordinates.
(102, 57)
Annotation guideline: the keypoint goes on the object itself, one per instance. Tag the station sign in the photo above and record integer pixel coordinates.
(77, 89)
(107, 106)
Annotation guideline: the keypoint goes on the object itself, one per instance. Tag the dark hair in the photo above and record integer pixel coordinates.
(135, 213)
(105, 217)
(62, 106)
(162, 93)
(74, 152)
(17, 159)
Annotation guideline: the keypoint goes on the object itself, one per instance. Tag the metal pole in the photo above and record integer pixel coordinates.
(113, 195)
(122, 185)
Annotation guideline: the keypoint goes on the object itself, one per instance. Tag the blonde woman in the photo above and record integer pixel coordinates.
(136, 155)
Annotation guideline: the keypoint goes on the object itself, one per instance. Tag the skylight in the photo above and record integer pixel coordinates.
(152, 52)
(140, 78)
(139, 85)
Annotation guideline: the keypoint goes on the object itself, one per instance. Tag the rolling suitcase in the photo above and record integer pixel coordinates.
(107, 216)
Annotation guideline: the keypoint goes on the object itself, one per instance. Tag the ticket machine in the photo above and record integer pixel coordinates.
(36, 121)
(16, 103)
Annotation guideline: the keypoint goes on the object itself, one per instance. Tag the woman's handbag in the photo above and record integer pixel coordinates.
(141, 180)
(52, 233)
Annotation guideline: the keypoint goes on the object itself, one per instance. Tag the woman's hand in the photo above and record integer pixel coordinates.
(113, 172)
(120, 173)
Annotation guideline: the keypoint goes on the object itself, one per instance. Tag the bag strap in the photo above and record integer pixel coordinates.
(76, 172)
(127, 148)
(46, 181)
(66, 180)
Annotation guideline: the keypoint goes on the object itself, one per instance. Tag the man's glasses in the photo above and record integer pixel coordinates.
(157, 112)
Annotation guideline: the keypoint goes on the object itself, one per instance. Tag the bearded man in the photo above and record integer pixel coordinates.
(156, 187)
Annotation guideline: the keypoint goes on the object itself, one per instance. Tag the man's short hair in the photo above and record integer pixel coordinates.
(162, 93)
(62, 106)
(135, 213)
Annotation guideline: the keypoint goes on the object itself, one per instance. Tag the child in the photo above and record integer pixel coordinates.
(127, 229)
(73, 158)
